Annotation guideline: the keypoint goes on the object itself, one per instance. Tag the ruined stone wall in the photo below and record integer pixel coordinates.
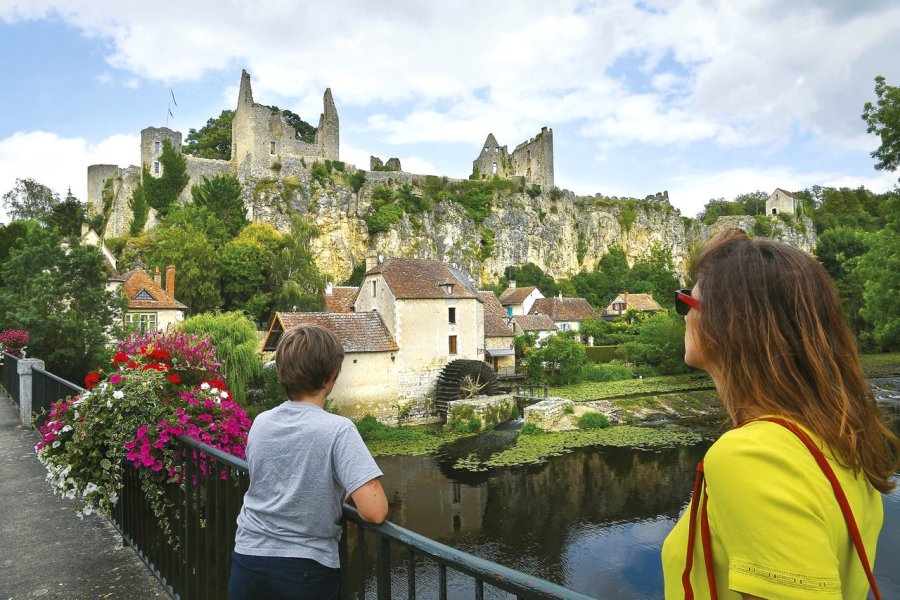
(124, 182)
(152, 139)
(493, 160)
(198, 168)
(533, 159)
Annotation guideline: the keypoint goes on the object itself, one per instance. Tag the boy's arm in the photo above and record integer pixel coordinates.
(370, 501)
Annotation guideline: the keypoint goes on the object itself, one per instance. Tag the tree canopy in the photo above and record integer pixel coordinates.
(213, 140)
(883, 119)
(30, 200)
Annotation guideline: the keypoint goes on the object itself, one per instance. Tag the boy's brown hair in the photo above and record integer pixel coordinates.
(306, 359)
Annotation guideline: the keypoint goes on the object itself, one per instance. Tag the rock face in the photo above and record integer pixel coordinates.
(560, 232)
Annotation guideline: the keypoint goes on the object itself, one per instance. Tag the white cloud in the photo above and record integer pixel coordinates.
(60, 163)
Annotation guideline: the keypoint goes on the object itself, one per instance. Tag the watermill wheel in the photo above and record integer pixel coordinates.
(462, 379)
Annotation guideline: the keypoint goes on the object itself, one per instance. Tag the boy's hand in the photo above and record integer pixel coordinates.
(370, 501)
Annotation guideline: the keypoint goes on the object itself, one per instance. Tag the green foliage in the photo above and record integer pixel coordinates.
(534, 191)
(471, 425)
(527, 275)
(555, 193)
(320, 173)
(487, 243)
(160, 193)
(879, 268)
(560, 359)
(304, 131)
(581, 249)
(356, 180)
(356, 276)
(389, 206)
(246, 270)
(605, 390)
(67, 217)
(858, 208)
(531, 429)
(593, 420)
(659, 344)
(140, 210)
(237, 347)
(61, 299)
(296, 281)
(598, 354)
(762, 226)
(222, 196)
(370, 429)
(213, 140)
(627, 214)
(611, 371)
(569, 409)
(29, 200)
(883, 119)
(10, 237)
(753, 203)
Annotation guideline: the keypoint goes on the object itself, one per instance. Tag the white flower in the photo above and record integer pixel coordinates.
(102, 386)
(118, 394)
(204, 386)
(56, 444)
(214, 391)
(223, 395)
(109, 404)
(66, 428)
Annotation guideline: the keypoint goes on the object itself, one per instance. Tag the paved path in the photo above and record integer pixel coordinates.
(45, 550)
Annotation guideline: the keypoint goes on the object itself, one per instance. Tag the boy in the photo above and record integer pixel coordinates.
(303, 462)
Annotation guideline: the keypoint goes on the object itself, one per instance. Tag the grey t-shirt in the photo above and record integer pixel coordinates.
(304, 462)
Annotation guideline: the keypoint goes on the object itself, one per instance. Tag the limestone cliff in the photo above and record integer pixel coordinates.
(560, 232)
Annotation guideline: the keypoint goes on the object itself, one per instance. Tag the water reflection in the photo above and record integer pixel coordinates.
(593, 520)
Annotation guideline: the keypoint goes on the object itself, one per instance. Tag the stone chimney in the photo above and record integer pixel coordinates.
(84, 229)
(157, 278)
(512, 283)
(371, 260)
(650, 294)
(170, 281)
(329, 289)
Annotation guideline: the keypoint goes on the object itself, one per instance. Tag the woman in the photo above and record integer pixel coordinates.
(765, 522)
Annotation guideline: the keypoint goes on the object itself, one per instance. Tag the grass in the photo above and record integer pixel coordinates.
(384, 440)
(881, 365)
(605, 390)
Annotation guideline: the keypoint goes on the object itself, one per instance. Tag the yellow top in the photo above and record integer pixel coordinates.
(777, 529)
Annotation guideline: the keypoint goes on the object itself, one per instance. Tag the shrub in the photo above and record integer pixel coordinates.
(600, 354)
(14, 341)
(569, 409)
(534, 191)
(612, 371)
(530, 429)
(593, 420)
(762, 226)
(356, 181)
(370, 429)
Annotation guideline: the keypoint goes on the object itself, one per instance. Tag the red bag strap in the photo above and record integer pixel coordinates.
(706, 541)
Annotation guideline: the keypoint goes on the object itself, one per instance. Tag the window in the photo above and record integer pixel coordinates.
(451, 315)
(774, 211)
(141, 322)
(457, 493)
(494, 168)
(374, 284)
(156, 167)
(271, 147)
(157, 148)
(452, 344)
(619, 306)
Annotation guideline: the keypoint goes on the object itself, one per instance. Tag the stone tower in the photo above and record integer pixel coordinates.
(152, 139)
(328, 133)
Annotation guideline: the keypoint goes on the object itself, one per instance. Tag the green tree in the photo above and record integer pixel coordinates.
(140, 209)
(161, 193)
(203, 220)
(296, 281)
(29, 200)
(246, 265)
(67, 216)
(213, 140)
(879, 268)
(560, 359)
(659, 344)
(237, 347)
(305, 131)
(527, 275)
(10, 236)
(883, 119)
(222, 196)
(60, 298)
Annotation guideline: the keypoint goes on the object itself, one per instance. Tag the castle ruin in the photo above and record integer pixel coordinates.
(532, 160)
(261, 142)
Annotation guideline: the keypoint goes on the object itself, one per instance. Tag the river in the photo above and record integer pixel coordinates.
(592, 520)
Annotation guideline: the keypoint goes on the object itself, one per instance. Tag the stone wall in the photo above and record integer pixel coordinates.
(533, 159)
(546, 413)
(490, 410)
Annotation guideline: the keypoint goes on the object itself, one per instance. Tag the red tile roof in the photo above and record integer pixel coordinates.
(564, 309)
(341, 299)
(495, 324)
(641, 302)
(535, 323)
(417, 279)
(515, 295)
(358, 332)
(136, 280)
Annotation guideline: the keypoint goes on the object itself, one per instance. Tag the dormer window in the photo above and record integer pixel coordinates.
(448, 288)
(144, 295)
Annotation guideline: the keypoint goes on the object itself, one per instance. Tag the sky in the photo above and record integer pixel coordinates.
(701, 98)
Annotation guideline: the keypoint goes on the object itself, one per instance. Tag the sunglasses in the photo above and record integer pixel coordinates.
(685, 302)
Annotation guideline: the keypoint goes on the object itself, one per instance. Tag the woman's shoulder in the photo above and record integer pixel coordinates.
(757, 442)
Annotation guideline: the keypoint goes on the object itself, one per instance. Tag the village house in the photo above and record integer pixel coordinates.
(624, 302)
(150, 306)
(566, 313)
(782, 202)
(518, 301)
(499, 349)
(369, 371)
(540, 326)
(339, 299)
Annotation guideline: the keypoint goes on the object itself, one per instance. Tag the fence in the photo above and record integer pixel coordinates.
(188, 545)
(10, 376)
(47, 388)
(530, 393)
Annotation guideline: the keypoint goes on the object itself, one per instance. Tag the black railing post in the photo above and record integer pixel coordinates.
(383, 567)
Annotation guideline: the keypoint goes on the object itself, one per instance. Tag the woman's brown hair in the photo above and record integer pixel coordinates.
(773, 329)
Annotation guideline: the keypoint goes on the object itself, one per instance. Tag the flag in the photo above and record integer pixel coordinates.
(170, 113)
(171, 91)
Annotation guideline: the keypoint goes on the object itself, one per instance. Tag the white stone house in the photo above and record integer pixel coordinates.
(540, 326)
(518, 301)
(499, 337)
(433, 312)
(150, 306)
(368, 380)
(781, 202)
(625, 301)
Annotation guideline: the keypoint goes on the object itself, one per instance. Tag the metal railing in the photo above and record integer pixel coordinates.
(47, 388)
(530, 393)
(203, 513)
(10, 376)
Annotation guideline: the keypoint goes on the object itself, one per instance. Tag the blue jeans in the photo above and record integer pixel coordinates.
(278, 578)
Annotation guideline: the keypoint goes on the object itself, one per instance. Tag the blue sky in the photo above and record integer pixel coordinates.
(703, 98)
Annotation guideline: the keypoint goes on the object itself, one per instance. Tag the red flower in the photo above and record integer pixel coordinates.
(173, 378)
(120, 357)
(160, 354)
(91, 380)
(132, 365)
(218, 384)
